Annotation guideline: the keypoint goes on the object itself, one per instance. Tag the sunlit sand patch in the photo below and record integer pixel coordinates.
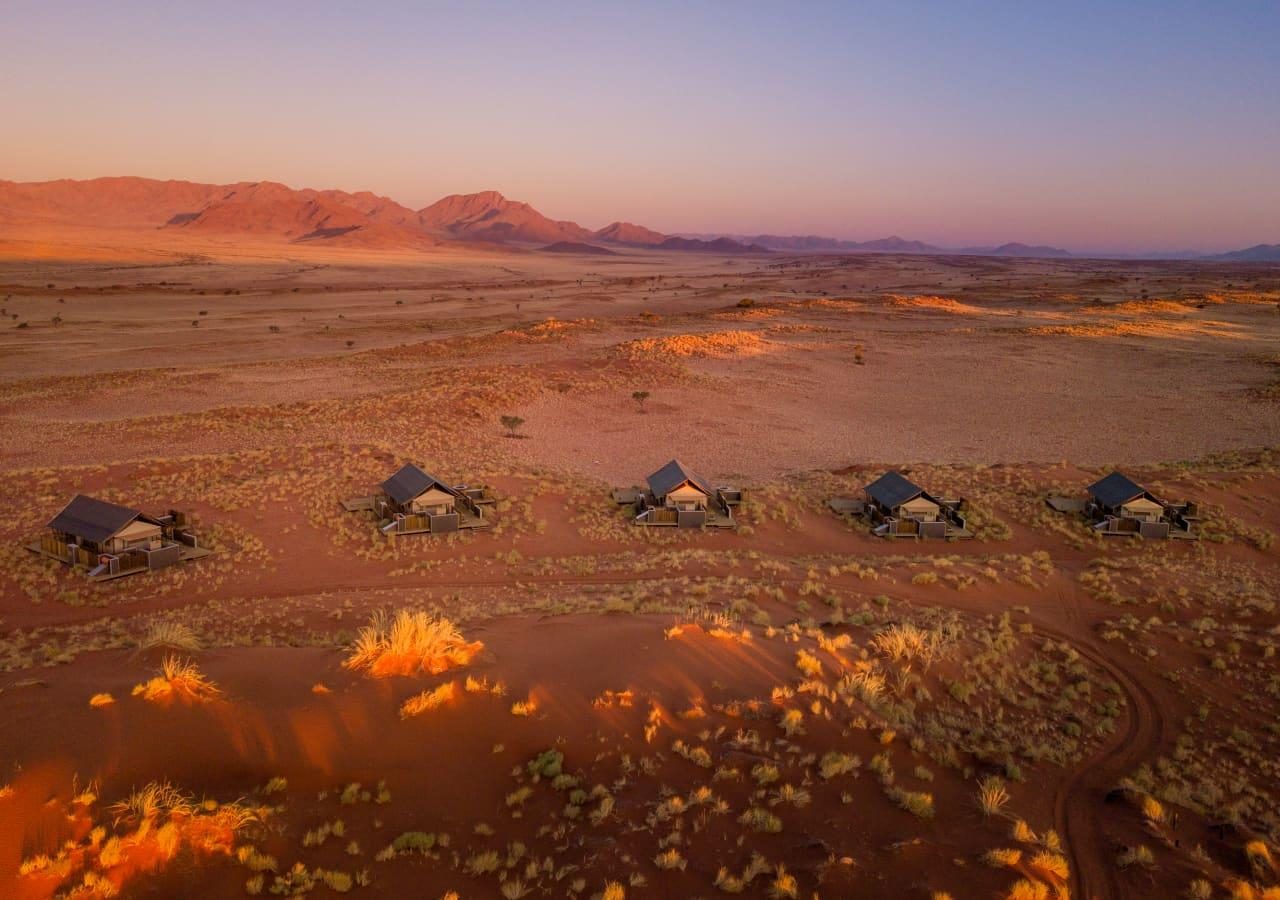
(832, 303)
(715, 344)
(550, 329)
(1163, 328)
(931, 302)
(750, 313)
(1245, 298)
(1142, 307)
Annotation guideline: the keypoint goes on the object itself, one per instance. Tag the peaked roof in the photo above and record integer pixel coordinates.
(1116, 489)
(92, 520)
(412, 482)
(892, 489)
(674, 474)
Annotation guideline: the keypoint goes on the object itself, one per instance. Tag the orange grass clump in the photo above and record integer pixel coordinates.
(147, 830)
(428, 700)
(179, 679)
(412, 642)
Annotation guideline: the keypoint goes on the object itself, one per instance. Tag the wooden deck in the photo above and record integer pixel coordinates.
(845, 506)
(714, 516)
(187, 554)
(466, 518)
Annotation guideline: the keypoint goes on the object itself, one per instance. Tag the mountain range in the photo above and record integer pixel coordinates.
(814, 243)
(1256, 253)
(268, 210)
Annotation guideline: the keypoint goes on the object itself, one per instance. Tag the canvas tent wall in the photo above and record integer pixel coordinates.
(921, 508)
(1143, 508)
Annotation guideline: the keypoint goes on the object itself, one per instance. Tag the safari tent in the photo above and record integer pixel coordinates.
(898, 507)
(412, 501)
(110, 540)
(1118, 505)
(677, 496)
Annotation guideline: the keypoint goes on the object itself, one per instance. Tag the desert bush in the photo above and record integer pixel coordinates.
(411, 642)
(178, 679)
(760, 819)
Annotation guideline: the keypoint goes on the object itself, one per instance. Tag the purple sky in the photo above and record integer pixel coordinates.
(1094, 126)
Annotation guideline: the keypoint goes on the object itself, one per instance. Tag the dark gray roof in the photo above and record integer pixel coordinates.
(674, 474)
(92, 520)
(1116, 489)
(891, 490)
(411, 482)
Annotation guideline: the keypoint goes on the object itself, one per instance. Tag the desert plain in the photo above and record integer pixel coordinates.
(792, 708)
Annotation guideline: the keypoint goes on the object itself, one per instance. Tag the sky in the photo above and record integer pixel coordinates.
(1116, 127)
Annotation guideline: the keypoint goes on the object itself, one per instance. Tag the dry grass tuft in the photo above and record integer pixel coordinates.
(169, 636)
(992, 795)
(428, 700)
(409, 643)
(179, 679)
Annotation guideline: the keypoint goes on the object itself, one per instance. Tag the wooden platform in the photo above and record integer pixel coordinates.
(1067, 504)
(846, 507)
(188, 554)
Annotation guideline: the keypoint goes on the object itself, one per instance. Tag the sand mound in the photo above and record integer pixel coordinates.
(1133, 329)
(550, 329)
(1142, 307)
(830, 303)
(716, 344)
(942, 304)
(749, 313)
(1245, 298)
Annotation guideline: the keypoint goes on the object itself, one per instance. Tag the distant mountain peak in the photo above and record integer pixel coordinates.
(489, 216)
(629, 233)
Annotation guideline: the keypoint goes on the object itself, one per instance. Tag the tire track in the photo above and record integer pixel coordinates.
(1078, 798)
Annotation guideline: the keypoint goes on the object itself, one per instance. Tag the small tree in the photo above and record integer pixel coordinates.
(640, 397)
(512, 424)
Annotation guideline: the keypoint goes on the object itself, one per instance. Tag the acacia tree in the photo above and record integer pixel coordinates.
(512, 424)
(640, 397)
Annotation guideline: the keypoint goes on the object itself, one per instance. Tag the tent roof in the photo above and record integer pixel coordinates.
(892, 489)
(412, 482)
(674, 474)
(91, 519)
(1116, 489)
